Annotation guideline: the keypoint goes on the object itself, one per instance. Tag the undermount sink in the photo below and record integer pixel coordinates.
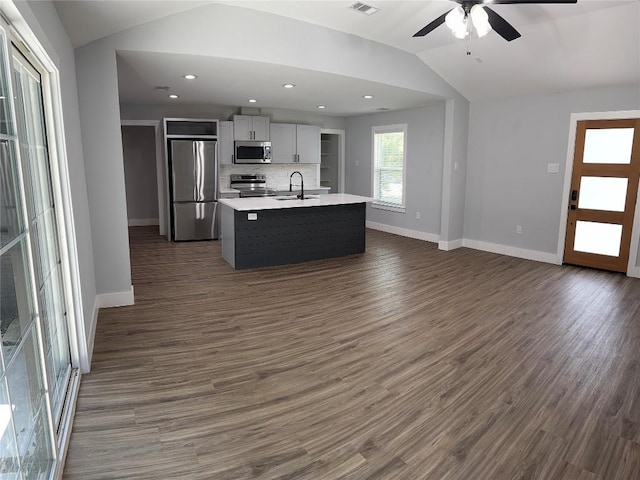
(295, 197)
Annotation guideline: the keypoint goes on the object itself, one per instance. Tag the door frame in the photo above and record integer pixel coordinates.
(632, 269)
(160, 168)
(341, 167)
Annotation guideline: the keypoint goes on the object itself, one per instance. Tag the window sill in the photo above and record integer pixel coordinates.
(386, 206)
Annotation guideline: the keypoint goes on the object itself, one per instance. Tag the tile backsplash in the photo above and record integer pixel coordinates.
(277, 174)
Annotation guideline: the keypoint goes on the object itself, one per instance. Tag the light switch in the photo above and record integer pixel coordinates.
(252, 216)
(553, 167)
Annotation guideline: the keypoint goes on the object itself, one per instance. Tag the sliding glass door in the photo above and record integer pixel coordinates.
(35, 361)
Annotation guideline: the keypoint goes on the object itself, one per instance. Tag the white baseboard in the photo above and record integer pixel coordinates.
(92, 335)
(512, 251)
(405, 232)
(450, 245)
(115, 299)
(143, 222)
(634, 272)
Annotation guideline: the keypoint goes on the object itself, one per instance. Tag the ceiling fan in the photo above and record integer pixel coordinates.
(483, 18)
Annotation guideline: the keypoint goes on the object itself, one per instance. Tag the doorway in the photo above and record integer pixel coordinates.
(332, 160)
(603, 194)
(140, 174)
(144, 183)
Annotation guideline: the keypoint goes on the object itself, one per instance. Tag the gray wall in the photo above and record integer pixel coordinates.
(425, 147)
(222, 112)
(102, 146)
(210, 30)
(44, 22)
(511, 141)
(139, 154)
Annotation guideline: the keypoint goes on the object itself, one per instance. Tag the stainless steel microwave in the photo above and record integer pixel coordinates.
(252, 151)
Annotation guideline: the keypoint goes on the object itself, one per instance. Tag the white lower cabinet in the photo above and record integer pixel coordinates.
(292, 143)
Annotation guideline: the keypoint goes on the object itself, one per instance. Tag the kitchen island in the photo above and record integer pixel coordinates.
(268, 231)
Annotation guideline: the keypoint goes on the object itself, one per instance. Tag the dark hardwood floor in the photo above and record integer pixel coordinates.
(403, 363)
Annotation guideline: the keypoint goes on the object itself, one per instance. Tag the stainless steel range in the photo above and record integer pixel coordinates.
(252, 185)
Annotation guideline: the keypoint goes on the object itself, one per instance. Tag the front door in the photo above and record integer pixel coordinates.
(602, 200)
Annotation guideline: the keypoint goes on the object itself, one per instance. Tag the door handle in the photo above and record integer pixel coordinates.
(574, 195)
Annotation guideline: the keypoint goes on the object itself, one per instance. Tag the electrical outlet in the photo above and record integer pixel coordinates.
(356, 163)
(519, 229)
(417, 215)
(456, 166)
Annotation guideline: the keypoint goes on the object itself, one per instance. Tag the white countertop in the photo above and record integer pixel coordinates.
(271, 203)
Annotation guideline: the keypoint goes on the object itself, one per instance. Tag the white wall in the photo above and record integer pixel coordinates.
(43, 21)
(211, 30)
(425, 150)
(511, 141)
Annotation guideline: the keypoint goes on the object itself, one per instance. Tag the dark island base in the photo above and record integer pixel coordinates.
(295, 235)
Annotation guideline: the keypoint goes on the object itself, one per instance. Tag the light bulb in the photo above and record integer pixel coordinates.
(480, 20)
(456, 20)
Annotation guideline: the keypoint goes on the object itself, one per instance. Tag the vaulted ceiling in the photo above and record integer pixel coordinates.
(570, 47)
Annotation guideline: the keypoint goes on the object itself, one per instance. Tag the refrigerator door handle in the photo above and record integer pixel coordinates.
(214, 224)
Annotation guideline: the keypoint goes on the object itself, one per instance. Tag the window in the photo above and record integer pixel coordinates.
(389, 160)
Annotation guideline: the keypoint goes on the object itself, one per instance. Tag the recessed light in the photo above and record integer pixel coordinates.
(173, 95)
(252, 100)
(364, 8)
(288, 85)
(367, 96)
(321, 106)
(190, 76)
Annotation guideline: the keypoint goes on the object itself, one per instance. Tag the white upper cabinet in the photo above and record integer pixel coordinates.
(225, 143)
(295, 143)
(250, 127)
(283, 143)
(308, 143)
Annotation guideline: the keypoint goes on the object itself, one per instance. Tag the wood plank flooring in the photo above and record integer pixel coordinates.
(402, 363)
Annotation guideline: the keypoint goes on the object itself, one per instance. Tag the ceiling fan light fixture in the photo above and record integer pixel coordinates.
(456, 20)
(480, 20)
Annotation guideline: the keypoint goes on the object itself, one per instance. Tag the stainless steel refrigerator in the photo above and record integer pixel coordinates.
(194, 189)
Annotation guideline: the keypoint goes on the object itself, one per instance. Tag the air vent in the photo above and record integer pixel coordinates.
(161, 88)
(364, 8)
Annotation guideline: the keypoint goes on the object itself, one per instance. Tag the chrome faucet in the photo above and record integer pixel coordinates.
(301, 196)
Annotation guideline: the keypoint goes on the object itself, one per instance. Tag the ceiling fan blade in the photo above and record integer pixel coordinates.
(501, 26)
(515, 2)
(432, 26)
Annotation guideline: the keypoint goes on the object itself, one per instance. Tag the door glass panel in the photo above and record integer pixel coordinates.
(27, 393)
(9, 464)
(603, 193)
(598, 238)
(55, 334)
(6, 124)
(10, 218)
(608, 145)
(15, 304)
